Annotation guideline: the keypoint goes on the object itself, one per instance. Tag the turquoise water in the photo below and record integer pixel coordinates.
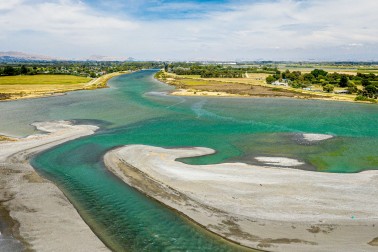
(134, 111)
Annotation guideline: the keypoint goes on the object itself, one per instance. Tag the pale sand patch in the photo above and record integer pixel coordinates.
(260, 207)
(187, 92)
(47, 220)
(280, 161)
(316, 137)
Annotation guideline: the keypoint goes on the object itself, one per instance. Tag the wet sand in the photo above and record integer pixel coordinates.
(270, 208)
(37, 213)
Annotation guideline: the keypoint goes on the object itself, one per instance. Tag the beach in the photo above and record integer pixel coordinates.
(265, 207)
(38, 214)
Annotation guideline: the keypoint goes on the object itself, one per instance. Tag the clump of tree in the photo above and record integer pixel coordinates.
(329, 81)
(215, 71)
(81, 68)
(328, 88)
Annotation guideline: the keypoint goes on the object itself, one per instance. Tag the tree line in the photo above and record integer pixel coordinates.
(88, 69)
(329, 81)
(215, 71)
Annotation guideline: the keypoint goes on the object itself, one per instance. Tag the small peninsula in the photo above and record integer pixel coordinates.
(275, 80)
(253, 205)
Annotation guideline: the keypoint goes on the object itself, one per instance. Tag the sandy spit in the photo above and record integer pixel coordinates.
(43, 218)
(279, 161)
(186, 92)
(270, 208)
(316, 137)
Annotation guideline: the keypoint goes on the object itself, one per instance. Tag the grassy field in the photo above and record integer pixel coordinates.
(347, 69)
(253, 84)
(30, 86)
(43, 80)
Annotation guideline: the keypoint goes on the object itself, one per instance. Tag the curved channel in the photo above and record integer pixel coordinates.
(136, 110)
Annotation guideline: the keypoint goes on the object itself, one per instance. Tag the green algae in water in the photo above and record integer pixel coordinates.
(134, 112)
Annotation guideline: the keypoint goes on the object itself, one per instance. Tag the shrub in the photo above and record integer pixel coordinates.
(328, 88)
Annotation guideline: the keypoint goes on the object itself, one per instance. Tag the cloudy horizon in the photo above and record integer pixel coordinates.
(339, 30)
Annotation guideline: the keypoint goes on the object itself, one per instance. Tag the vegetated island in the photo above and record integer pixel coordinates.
(253, 205)
(35, 211)
(269, 81)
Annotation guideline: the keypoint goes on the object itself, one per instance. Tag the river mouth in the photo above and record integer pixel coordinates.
(238, 129)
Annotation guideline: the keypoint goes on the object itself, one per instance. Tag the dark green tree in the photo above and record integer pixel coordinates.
(23, 70)
(270, 79)
(318, 72)
(371, 91)
(166, 67)
(9, 70)
(343, 81)
(365, 82)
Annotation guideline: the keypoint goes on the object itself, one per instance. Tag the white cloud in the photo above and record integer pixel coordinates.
(283, 29)
(9, 4)
(69, 21)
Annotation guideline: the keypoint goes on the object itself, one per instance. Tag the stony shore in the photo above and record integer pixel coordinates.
(269, 208)
(37, 213)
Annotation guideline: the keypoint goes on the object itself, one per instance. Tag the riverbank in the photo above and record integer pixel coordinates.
(271, 208)
(50, 85)
(242, 87)
(37, 213)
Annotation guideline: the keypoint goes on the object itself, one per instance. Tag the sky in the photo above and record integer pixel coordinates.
(296, 30)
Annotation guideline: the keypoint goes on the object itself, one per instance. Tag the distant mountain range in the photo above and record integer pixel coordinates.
(109, 58)
(20, 56)
(12, 56)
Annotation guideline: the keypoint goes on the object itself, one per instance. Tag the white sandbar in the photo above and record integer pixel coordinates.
(277, 209)
(316, 137)
(47, 220)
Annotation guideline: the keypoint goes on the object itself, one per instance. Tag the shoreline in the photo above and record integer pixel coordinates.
(199, 93)
(39, 214)
(97, 83)
(300, 94)
(257, 209)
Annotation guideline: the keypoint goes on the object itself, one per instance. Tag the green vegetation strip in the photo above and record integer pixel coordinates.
(42, 80)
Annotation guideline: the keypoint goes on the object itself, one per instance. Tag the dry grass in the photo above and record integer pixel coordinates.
(5, 138)
(43, 80)
(39, 85)
(31, 86)
(254, 85)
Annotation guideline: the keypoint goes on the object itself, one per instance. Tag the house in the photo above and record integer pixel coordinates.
(341, 92)
(280, 83)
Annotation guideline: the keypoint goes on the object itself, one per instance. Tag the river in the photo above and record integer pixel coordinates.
(136, 110)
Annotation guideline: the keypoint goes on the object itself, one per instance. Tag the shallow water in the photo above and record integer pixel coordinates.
(135, 111)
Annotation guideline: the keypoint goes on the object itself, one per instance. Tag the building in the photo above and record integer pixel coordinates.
(284, 82)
